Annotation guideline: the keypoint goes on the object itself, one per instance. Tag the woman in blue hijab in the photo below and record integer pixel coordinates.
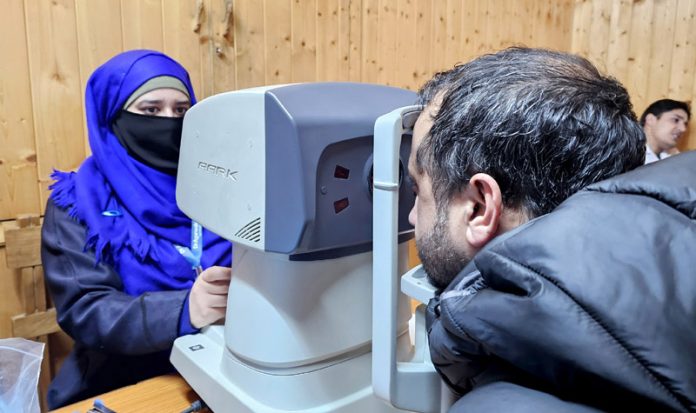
(120, 258)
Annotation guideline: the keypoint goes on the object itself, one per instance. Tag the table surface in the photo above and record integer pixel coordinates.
(169, 393)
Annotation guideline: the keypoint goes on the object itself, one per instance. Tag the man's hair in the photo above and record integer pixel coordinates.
(658, 107)
(543, 124)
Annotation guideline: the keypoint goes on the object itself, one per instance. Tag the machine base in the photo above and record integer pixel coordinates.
(227, 384)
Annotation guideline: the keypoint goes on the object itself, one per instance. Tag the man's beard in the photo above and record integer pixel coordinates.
(441, 260)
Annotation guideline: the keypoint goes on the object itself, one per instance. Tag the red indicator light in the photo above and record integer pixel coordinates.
(341, 172)
(340, 205)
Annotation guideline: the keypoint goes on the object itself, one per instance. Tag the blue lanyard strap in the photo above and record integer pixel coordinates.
(193, 254)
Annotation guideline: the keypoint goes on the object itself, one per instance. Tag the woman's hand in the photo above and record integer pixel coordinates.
(208, 297)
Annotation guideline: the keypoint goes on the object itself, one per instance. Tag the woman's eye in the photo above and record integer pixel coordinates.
(152, 110)
(180, 110)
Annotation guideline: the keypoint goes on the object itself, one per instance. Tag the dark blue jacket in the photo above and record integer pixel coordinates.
(119, 339)
(592, 304)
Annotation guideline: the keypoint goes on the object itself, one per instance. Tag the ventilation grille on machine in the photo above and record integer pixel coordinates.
(250, 231)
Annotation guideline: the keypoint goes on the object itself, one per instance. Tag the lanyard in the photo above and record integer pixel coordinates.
(193, 254)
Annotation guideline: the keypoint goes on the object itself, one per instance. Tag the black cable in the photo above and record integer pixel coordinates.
(196, 406)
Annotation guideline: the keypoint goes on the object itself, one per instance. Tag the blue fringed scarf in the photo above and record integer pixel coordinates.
(139, 240)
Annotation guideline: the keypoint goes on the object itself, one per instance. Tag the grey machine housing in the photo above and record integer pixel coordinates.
(285, 173)
(289, 168)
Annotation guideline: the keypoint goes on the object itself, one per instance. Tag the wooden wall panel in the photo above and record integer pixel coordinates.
(492, 33)
(599, 33)
(304, 40)
(453, 32)
(222, 77)
(56, 88)
(249, 37)
(12, 303)
(386, 39)
(405, 44)
(344, 40)
(370, 50)
(278, 43)
(141, 22)
(19, 192)
(661, 48)
(338, 35)
(327, 37)
(563, 24)
(683, 69)
(514, 11)
(99, 32)
(472, 43)
(419, 58)
(619, 39)
(440, 20)
(186, 33)
(356, 39)
(639, 60)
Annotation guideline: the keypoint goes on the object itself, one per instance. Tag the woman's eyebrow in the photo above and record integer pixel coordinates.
(150, 101)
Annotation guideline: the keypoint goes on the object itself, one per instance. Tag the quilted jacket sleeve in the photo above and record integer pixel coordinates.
(463, 361)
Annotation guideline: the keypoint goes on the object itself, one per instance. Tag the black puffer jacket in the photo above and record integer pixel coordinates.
(594, 303)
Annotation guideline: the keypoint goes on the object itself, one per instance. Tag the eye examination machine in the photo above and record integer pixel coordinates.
(309, 183)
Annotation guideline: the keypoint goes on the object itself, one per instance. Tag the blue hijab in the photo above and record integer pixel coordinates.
(139, 241)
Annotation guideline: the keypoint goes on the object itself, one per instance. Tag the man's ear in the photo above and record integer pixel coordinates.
(650, 119)
(478, 208)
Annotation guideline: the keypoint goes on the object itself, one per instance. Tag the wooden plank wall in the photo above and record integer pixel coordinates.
(649, 45)
(49, 49)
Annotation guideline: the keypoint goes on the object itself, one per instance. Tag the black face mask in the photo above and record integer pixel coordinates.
(153, 140)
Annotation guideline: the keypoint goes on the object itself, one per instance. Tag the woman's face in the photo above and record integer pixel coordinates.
(165, 102)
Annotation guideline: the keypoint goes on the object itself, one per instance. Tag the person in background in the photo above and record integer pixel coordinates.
(664, 123)
(565, 272)
(120, 259)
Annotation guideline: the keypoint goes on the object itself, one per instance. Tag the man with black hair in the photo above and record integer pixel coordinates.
(551, 301)
(664, 123)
